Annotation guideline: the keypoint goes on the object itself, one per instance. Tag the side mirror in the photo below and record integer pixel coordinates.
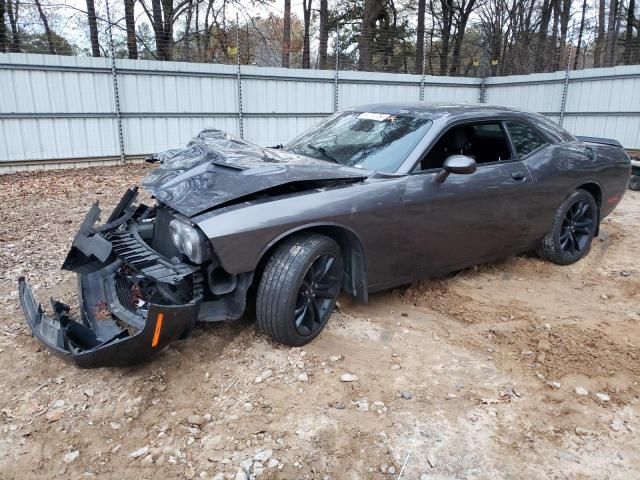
(460, 164)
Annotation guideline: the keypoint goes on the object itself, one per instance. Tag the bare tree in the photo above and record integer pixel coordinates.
(612, 33)
(372, 11)
(93, 28)
(580, 33)
(163, 15)
(186, 40)
(543, 34)
(324, 34)
(286, 34)
(130, 25)
(47, 30)
(446, 18)
(463, 11)
(306, 46)
(420, 37)
(565, 15)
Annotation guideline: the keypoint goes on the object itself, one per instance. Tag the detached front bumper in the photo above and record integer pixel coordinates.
(132, 301)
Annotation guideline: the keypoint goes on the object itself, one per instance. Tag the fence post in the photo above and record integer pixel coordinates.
(483, 90)
(335, 76)
(239, 79)
(114, 77)
(565, 86)
(424, 68)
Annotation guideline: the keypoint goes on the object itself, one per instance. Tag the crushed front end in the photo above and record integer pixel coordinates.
(137, 292)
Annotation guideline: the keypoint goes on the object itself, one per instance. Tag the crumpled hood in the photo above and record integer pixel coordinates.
(217, 168)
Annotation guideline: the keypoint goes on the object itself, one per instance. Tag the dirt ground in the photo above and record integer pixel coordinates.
(474, 376)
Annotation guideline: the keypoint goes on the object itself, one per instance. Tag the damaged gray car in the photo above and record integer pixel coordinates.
(371, 198)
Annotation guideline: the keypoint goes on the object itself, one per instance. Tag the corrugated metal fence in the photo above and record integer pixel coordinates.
(56, 109)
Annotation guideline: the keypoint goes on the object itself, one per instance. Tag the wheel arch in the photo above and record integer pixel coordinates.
(596, 192)
(355, 274)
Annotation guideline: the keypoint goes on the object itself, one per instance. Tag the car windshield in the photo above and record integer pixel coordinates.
(376, 141)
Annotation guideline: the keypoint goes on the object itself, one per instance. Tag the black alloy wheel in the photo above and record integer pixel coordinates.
(574, 226)
(298, 288)
(577, 227)
(319, 288)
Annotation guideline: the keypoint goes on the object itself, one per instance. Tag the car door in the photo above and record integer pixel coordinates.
(466, 219)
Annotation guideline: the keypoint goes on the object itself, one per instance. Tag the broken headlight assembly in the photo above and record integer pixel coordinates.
(190, 241)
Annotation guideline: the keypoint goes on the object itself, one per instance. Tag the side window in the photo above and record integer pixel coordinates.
(552, 130)
(525, 139)
(485, 142)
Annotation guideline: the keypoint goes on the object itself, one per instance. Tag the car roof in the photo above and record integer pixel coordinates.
(436, 110)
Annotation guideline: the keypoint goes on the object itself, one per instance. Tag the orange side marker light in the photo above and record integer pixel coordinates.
(156, 333)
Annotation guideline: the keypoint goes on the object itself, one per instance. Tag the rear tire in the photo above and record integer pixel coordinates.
(634, 183)
(299, 288)
(572, 231)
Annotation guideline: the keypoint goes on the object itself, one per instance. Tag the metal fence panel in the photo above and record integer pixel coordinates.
(539, 93)
(602, 102)
(55, 107)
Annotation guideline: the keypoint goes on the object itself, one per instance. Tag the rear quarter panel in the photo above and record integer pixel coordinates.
(560, 169)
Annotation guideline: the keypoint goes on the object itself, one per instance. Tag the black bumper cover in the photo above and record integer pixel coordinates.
(107, 332)
(78, 342)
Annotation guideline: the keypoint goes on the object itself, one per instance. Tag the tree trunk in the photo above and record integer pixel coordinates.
(162, 22)
(197, 25)
(47, 30)
(370, 15)
(14, 45)
(167, 21)
(445, 36)
(286, 34)
(459, 37)
(430, 57)
(93, 28)
(4, 44)
(551, 44)
(306, 46)
(130, 22)
(186, 42)
(564, 28)
(420, 38)
(543, 35)
(581, 31)
(156, 8)
(324, 34)
(628, 37)
(598, 50)
(612, 31)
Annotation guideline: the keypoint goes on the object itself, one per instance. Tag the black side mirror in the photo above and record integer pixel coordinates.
(460, 164)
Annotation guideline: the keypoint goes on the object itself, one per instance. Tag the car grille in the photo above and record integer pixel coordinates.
(127, 292)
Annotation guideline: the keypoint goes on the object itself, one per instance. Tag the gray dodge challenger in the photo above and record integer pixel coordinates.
(371, 198)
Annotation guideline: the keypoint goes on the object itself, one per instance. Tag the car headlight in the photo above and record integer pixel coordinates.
(189, 241)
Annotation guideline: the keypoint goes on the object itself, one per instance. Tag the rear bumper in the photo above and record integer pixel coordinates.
(126, 313)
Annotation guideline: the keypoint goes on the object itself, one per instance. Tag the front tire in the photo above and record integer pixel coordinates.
(634, 183)
(299, 288)
(574, 226)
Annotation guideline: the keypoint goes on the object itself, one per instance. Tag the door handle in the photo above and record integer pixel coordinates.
(519, 176)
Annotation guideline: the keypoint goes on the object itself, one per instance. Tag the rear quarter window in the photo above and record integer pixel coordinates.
(524, 138)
